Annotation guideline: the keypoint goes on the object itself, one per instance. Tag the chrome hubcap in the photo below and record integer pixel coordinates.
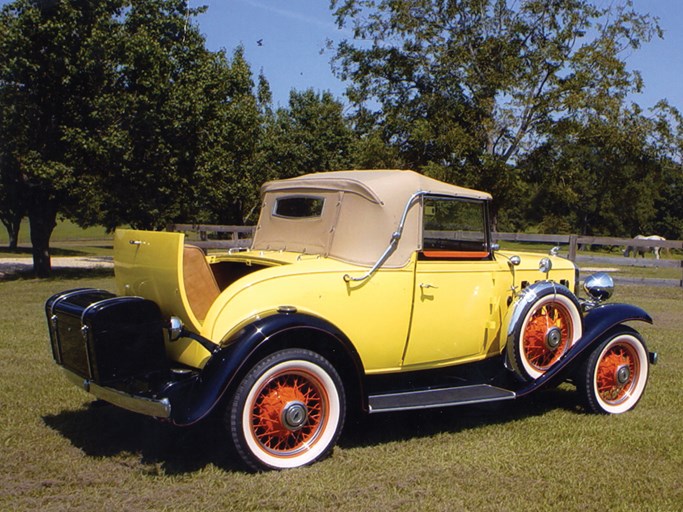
(623, 374)
(294, 415)
(553, 338)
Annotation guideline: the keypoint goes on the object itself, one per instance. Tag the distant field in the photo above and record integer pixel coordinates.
(68, 239)
(59, 452)
(64, 231)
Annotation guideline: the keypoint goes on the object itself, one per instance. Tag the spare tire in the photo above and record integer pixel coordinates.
(545, 322)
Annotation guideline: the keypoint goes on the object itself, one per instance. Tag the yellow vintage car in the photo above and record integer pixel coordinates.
(372, 290)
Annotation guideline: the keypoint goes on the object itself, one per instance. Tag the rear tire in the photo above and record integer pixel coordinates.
(288, 411)
(613, 378)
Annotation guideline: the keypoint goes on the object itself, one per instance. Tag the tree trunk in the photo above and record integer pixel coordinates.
(42, 220)
(13, 224)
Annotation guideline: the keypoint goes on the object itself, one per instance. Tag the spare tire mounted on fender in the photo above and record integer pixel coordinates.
(545, 322)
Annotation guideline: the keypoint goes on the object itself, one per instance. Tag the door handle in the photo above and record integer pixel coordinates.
(427, 285)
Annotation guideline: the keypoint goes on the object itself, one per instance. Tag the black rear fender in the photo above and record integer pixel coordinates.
(254, 342)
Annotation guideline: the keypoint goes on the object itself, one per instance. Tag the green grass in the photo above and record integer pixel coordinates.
(67, 239)
(59, 452)
(64, 231)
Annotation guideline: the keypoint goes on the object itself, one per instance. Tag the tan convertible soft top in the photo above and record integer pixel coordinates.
(361, 211)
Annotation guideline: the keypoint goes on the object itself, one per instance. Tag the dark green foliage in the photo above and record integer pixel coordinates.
(310, 135)
(464, 89)
(115, 113)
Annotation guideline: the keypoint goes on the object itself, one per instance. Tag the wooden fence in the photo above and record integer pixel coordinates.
(569, 247)
(227, 237)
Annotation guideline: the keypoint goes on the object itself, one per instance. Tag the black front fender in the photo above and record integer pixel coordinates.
(221, 370)
(601, 319)
(596, 323)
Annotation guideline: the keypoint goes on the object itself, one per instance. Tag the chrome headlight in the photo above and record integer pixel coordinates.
(175, 328)
(599, 286)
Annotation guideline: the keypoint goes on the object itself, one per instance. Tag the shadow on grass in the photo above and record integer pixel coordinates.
(60, 273)
(27, 252)
(370, 430)
(102, 430)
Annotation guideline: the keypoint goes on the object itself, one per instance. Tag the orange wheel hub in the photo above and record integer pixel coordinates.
(288, 413)
(546, 336)
(616, 373)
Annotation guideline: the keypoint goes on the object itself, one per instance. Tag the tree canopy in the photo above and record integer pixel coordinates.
(115, 113)
(465, 88)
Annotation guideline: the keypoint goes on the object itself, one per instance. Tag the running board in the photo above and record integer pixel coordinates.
(443, 397)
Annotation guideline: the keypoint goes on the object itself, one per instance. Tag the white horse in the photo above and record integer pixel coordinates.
(642, 250)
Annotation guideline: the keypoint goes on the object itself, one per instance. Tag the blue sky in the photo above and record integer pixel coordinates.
(292, 34)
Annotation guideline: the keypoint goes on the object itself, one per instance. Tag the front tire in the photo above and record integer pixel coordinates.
(546, 327)
(613, 378)
(288, 411)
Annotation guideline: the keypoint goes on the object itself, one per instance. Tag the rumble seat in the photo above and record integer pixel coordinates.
(200, 284)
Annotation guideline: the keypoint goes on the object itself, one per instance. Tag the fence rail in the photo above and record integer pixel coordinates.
(228, 237)
(574, 242)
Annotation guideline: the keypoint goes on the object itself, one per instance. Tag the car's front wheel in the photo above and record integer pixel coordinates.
(548, 323)
(288, 410)
(614, 376)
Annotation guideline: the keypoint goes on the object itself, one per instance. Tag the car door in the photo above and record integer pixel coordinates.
(456, 301)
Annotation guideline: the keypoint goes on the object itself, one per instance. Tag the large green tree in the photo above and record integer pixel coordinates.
(55, 60)
(463, 88)
(599, 177)
(311, 135)
(114, 112)
(668, 138)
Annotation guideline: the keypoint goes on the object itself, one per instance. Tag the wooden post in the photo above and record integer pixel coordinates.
(573, 243)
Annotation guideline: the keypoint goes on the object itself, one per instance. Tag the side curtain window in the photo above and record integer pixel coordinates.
(454, 228)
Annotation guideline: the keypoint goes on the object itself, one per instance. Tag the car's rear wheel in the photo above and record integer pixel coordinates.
(545, 330)
(614, 376)
(288, 410)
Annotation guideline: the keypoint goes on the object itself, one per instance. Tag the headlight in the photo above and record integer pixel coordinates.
(175, 328)
(599, 286)
(545, 265)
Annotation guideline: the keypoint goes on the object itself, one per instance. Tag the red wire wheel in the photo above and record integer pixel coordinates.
(546, 328)
(616, 373)
(288, 411)
(547, 335)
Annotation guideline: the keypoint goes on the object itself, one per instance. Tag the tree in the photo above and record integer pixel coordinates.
(187, 125)
(54, 62)
(668, 135)
(601, 176)
(464, 88)
(114, 112)
(12, 204)
(228, 177)
(311, 135)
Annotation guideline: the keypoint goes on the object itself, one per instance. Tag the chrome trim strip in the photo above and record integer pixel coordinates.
(395, 237)
(147, 406)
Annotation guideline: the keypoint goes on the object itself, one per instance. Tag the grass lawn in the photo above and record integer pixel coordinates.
(60, 452)
(67, 240)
